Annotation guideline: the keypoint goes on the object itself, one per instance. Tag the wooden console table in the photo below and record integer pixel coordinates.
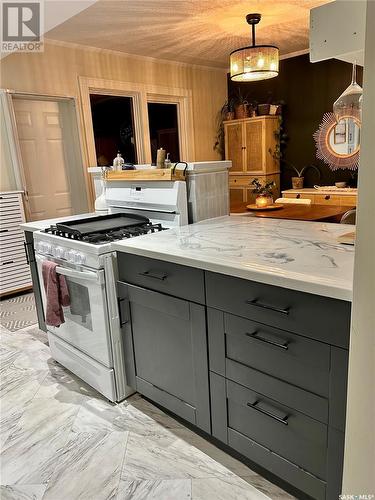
(329, 213)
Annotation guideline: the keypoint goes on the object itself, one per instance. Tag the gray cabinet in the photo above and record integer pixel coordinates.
(168, 337)
(276, 360)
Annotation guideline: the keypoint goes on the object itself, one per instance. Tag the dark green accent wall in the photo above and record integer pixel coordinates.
(309, 90)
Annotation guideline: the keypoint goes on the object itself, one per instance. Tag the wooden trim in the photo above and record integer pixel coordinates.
(252, 119)
(154, 174)
(141, 95)
(16, 291)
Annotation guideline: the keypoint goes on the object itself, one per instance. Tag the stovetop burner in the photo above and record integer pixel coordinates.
(104, 229)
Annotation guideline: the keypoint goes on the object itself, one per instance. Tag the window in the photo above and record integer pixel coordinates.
(163, 123)
(113, 123)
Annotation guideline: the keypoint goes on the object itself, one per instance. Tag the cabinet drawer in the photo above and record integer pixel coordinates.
(348, 201)
(277, 465)
(239, 180)
(308, 403)
(327, 199)
(310, 315)
(173, 279)
(299, 196)
(293, 358)
(283, 430)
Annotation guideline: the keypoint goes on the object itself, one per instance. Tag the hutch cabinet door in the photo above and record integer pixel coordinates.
(254, 152)
(234, 145)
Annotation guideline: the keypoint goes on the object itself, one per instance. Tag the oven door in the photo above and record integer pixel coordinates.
(86, 324)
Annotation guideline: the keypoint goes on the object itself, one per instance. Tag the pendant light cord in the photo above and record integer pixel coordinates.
(253, 33)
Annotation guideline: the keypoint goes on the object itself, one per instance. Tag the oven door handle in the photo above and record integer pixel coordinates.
(72, 273)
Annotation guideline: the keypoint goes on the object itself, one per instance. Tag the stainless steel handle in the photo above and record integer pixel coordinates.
(257, 303)
(156, 276)
(255, 406)
(255, 335)
(26, 252)
(120, 301)
(82, 275)
(72, 273)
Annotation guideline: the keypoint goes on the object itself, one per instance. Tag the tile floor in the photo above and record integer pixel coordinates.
(60, 440)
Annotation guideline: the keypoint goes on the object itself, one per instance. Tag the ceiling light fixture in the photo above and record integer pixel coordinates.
(255, 62)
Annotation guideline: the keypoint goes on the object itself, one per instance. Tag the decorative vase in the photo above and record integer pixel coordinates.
(242, 111)
(297, 182)
(101, 202)
(263, 200)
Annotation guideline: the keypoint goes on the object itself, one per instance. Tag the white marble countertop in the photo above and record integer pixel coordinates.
(38, 225)
(298, 255)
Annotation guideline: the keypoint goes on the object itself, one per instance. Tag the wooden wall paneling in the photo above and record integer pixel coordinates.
(57, 71)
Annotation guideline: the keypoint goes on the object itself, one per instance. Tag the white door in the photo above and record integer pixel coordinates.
(53, 176)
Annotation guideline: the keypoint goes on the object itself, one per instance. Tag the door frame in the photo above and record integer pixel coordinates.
(141, 94)
(17, 162)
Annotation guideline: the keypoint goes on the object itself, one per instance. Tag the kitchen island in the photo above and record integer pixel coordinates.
(241, 327)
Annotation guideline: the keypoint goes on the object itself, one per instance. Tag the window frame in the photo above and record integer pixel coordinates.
(141, 95)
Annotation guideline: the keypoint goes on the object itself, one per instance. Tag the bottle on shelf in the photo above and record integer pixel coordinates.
(167, 162)
(118, 162)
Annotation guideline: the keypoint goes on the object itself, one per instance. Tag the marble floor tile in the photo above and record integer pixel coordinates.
(89, 467)
(22, 492)
(61, 440)
(168, 456)
(227, 488)
(172, 489)
(62, 385)
(29, 454)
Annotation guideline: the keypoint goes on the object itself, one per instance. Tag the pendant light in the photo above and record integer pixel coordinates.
(350, 101)
(255, 62)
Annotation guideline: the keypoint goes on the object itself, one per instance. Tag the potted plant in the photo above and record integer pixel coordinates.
(263, 192)
(227, 110)
(225, 113)
(297, 182)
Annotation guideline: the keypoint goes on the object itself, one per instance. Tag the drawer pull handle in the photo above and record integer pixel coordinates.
(327, 197)
(255, 302)
(255, 335)
(255, 406)
(8, 262)
(148, 274)
(4, 230)
(298, 196)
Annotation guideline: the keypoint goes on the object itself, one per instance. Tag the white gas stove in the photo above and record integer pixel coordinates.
(89, 342)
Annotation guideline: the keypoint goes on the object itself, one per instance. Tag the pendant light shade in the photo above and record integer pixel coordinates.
(255, 62)
(350, 101)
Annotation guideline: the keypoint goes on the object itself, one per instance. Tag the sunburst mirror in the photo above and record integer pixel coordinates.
(338, 143)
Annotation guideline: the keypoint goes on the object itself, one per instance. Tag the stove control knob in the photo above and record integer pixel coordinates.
(70, 256)
(59, 252)
(79, 258)
(48, 248)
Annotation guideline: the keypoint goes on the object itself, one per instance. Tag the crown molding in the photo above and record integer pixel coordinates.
(117, 53)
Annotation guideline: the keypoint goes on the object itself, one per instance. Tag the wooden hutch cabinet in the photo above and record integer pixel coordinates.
(250, 143)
